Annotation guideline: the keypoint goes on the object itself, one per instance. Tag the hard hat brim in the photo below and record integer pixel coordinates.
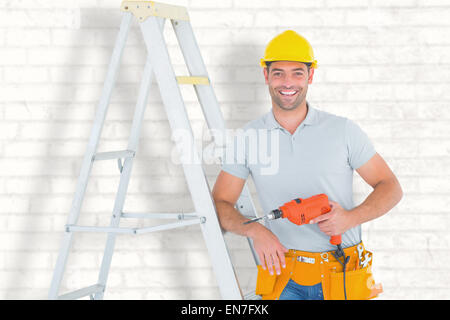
(313, 63)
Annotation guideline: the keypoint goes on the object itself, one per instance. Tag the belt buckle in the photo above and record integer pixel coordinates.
(306, 259)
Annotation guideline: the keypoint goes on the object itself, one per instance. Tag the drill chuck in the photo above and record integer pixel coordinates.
(275, 214)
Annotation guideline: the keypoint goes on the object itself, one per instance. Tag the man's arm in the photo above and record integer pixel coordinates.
(386, 193)
(226, 192)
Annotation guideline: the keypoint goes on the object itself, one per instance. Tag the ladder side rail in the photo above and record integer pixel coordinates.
(210, 106)
(90, 151)
(195, 176)
(207, 97)
(133, 142)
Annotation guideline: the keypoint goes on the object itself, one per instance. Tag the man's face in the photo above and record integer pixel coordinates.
(288, 83)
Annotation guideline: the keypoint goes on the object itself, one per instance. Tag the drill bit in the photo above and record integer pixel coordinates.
(274, 214)
(253, 220)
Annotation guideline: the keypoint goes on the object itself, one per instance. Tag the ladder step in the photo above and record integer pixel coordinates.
(174, 225)
(114, 155)
(179, 216)
(182, 223)
(82, 292)
(193, 80)
(73, 228)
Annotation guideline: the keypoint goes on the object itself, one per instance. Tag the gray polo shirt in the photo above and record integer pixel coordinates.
(318, 158)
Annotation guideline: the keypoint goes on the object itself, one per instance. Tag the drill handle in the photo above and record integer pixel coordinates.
(335, 240)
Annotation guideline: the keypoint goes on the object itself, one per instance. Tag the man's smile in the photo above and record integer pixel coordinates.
(288, 92)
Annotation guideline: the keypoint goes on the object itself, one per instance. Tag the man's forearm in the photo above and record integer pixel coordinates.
(383, 198)
(232, 220)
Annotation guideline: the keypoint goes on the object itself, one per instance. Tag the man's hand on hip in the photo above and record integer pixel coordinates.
(269, 249)
(335, 222)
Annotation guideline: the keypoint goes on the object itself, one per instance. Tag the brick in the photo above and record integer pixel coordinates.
(24, 279)
(401, 3)
(170, 278)
(411, 259)
(40, 4)
(205, 294)
(302, 4)
(29, 223)
(123, 260)
(75, 37)
(26, 37)
(27, 111)
(255, 4)
(72, 75)
(9, 130)
(14, 204)
(95, 17)
(394, 111)
(198, 259)
(64, 56)
(396, 148)
(166, 259)
(433, 3)
(428, 148)
(437, 129)
(25, 149)
(163, 294)
(204, 4)
(347, 74)
(57, 18)
(20, 294)
(215, 18)
(12, 56)
(290, 19)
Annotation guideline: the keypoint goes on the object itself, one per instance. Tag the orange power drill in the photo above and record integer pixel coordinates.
(301, 211)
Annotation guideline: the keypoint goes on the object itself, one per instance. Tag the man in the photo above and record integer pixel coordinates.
(318, 153)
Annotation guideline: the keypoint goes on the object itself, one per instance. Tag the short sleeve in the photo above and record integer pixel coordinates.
(360, 148)
(234, 158)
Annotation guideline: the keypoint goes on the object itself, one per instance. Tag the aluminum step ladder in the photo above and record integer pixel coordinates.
(151, 17)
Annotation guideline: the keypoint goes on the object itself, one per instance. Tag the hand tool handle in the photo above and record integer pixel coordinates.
(335, 240)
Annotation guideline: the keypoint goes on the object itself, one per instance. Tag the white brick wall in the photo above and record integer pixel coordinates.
(384, 64)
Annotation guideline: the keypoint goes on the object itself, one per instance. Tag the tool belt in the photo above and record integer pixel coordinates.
(311, 268)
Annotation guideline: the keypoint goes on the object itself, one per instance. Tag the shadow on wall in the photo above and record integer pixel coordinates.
(240, 60)
(68, 95)
(101, 21)
(241, 57)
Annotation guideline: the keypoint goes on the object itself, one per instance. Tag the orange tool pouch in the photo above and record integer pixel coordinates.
(310, 268)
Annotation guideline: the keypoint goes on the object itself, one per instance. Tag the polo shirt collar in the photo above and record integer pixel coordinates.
(310, 119)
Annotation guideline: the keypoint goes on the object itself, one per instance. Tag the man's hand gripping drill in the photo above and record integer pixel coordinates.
(303, 211)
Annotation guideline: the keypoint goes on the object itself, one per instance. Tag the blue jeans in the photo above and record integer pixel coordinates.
(294, 291)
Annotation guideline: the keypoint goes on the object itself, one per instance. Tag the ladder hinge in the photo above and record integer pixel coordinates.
(143, 9)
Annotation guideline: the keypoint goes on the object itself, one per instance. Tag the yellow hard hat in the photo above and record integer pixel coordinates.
(289, 46)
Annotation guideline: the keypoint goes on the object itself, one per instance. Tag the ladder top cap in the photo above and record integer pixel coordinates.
(144, 9)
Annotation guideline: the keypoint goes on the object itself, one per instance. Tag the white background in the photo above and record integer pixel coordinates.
(384, 64)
